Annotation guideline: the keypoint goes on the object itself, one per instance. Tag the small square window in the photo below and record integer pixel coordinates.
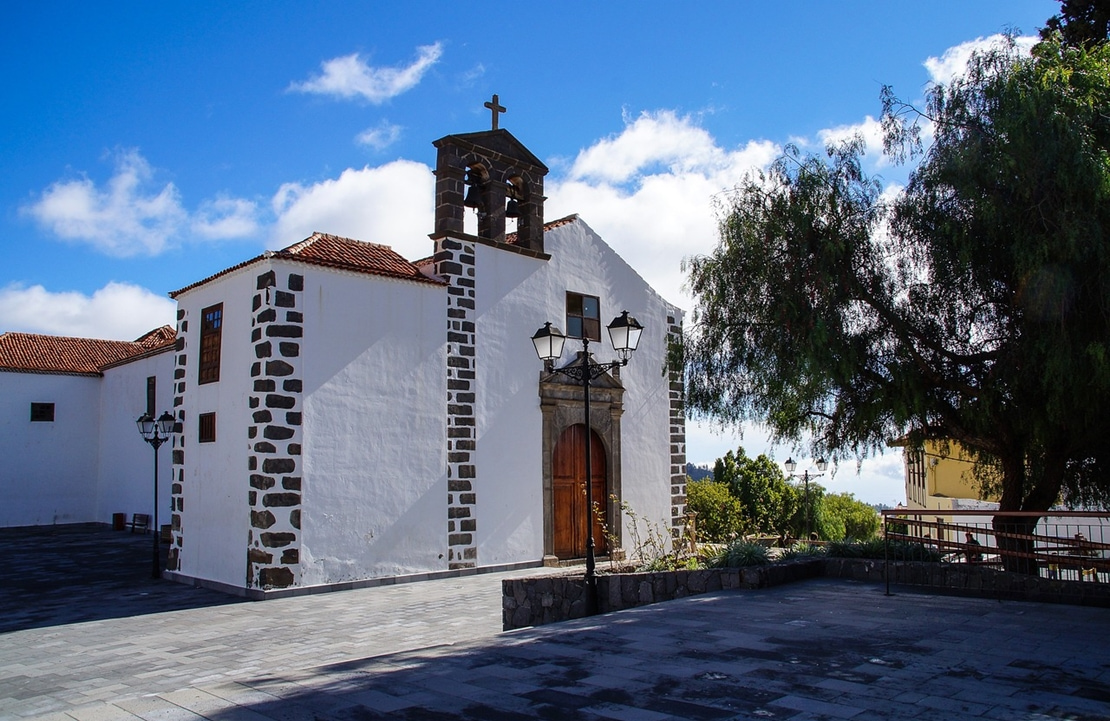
(42, 412)
(207, 430)
(583, 316)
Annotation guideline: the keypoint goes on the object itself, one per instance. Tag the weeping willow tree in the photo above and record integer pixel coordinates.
(974, 305)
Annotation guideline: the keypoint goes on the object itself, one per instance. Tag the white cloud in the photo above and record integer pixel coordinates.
(953, 61)
(649, 192)
(350, 76)
(659, 140)
(132, 214)
(871, 130)
(128, 217)
(389, 204)
(381, 137)
(118, 311)
(226, 217)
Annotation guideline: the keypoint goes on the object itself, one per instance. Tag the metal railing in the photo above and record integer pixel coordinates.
(1055, 545)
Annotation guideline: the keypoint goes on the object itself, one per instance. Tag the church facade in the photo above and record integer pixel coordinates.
(346, 415)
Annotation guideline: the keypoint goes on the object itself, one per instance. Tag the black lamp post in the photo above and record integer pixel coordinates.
(156, 432)
(624, 333)
(790, 467)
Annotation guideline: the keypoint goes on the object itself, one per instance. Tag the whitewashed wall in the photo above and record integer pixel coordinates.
(515, 296)
(126, 462)
(216, 520)
(375, 392)
(48, 471)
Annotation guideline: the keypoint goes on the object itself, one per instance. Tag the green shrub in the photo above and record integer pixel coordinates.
(802, 550)
(741, 553)
(719, 514)
(877, 548)
(842, 517)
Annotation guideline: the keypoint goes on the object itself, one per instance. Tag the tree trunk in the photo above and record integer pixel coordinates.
(1014, 534)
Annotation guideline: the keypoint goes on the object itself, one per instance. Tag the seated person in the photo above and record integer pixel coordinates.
(974, 554)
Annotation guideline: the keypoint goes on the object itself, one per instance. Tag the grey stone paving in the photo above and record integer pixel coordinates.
(821, 649)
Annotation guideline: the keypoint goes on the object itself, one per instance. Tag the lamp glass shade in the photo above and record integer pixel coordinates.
(624, 332)
(790, 465)
(822, 464)
(145, 425)
(165, 424)
(549, 342)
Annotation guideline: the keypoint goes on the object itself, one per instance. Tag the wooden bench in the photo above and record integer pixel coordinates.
(140, 521)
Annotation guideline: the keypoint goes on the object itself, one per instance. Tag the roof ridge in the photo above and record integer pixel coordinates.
(371, 243)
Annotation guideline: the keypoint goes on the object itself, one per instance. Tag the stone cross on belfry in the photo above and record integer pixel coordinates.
(495, 108)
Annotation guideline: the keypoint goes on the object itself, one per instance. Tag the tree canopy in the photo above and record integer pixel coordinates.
(974, 305)
(769, 503)
(1080, 22)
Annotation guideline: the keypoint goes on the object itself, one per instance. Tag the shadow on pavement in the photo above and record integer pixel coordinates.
(54, 575)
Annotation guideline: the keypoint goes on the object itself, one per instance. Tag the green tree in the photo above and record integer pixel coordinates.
(1080, 22)
(974, 307)
(720, 516)
(758, 483)
(806, 502)
(842, 517)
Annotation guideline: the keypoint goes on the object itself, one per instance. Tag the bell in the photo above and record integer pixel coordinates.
(512, 209)
(473, 197)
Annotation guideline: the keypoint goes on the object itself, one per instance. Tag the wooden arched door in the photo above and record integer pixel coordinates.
(569, 492)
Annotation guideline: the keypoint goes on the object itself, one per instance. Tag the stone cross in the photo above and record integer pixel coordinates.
(495, 109)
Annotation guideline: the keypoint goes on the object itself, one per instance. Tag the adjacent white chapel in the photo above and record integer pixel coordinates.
(344, 415)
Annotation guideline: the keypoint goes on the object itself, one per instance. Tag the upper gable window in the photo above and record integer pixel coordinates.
(42, 412)
(211, 327)
(583, 316)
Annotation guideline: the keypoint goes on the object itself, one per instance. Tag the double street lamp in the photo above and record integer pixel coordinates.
(790, 467)
(156, 432)
(624, 333)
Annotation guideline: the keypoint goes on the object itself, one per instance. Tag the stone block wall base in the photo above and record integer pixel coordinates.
(547, 599)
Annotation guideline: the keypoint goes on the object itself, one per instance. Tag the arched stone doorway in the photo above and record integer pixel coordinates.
(561, 403)
(568, 477)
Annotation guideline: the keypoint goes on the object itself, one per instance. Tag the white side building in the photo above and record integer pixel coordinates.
(71, 451)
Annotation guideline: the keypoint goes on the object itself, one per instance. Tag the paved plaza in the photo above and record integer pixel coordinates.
(87, 635)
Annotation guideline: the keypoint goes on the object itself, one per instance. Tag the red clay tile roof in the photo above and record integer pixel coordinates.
(333, 251)
(33, 353)
(511, 238)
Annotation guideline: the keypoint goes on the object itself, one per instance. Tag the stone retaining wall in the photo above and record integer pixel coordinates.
(547, 599)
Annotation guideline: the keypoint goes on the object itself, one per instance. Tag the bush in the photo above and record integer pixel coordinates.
(877, 548)
(802, 550)
(741, 553)
(719, 514)
(843, 517)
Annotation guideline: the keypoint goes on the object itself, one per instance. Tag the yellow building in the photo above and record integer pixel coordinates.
(940, 477)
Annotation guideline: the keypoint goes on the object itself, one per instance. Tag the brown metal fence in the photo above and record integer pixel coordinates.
(1054, 545)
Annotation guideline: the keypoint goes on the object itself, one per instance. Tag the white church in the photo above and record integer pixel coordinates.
(344, 416)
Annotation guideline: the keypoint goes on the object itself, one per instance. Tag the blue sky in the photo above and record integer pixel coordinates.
(147, 145)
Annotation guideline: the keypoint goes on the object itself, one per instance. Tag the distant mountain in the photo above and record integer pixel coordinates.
(697, 473)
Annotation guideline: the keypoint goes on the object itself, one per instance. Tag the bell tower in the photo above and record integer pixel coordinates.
(494, 174)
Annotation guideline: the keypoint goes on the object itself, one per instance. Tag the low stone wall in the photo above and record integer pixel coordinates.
(547, 599)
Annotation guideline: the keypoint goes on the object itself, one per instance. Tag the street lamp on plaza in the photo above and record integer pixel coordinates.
(155, 432)
(624, 333)
(790, 467)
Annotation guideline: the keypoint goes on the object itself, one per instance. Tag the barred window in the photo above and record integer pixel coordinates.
(42, 412)
(207, 431)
